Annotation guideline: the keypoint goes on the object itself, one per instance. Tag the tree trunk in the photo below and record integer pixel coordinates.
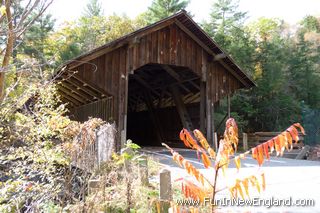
(8, 49)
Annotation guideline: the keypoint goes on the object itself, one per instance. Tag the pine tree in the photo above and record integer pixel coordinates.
(93, 8)
(224, 18)
(160, 9)
(35, 42)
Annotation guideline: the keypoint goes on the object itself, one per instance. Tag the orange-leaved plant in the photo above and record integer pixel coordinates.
(201, 187)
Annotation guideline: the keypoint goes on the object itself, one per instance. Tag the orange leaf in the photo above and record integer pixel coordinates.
(203, 141)
(294, 133)
(237, 162)
(282, 144)
(260, 155)
(233, 191)
(245, 184)
(212, 153)
(271, 145)
(298, 125)
(206, 161)
(277, 145)
(254, 182)
(183, 138)
(201, 179)
(285, 139)
(254, 153)
(289, 139)
(263, 182)
(266, 150)
(239, 189)
(193, 143)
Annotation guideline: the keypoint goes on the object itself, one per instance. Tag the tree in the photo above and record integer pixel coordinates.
(35, 42)
(226, 27)
(303, 61)
(224, 18)
(14, 30)
(160, 9)
(93, 8)
(87, 33)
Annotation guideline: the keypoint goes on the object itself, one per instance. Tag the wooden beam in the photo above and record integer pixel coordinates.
(154, 117)
(75, 90)
(145, 84)
(80, 86)
(205, 47)
(175, 84)
(175, 75)
(74, 95)
(181, 108)
(95, 88)
(194, 84)
(69, 98)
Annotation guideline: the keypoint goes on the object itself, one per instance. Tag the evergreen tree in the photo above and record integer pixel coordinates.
(304, 64)
(226, 27)
(35, 43)
(160, 9)
(224, 19)
(93, 8)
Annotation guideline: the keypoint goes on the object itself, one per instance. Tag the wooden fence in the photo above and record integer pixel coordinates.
(249, 140)
(95, 150)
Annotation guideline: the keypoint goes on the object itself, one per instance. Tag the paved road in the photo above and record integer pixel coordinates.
(285, 179)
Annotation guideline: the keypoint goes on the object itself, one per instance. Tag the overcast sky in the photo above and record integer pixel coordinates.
(289, 10)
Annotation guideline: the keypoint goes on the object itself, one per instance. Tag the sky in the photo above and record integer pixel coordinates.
(290, 10)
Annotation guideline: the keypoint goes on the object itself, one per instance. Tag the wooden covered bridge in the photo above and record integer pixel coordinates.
(152, 82)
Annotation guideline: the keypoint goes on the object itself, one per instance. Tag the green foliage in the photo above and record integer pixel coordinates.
(225, 26)
(89, 32)
(129, 152)
(160, 9)
(93, 8)
(284, 67)
(35, 43)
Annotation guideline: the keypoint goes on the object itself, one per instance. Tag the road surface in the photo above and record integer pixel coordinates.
(285, 179)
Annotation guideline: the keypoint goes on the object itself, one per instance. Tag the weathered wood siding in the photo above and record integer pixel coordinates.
(101, 108)
(169, 45)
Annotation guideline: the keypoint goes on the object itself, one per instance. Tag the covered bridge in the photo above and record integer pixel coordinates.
(152, 82)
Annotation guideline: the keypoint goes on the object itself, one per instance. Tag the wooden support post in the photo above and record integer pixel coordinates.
(212, 124)
(176, 76)
(245, 141)
(181, 108)
(216, 145)
(154, 117)
(165, 190)
(202, 105)
(94, 185)
(208, 115)
(143, 170)
(229, 106)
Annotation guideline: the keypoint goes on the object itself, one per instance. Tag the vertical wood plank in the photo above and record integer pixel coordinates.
(202, 105)
(173, 44)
